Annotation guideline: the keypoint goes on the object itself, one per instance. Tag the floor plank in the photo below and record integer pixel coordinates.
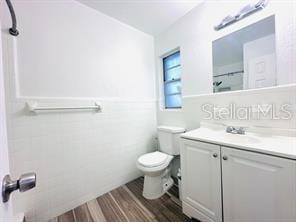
(82, 214)
(139, 202)
(96, 211)
(127, 204)
(174, 191)
(157, 206)
(130, 207)
(67, 217)
(110, 209)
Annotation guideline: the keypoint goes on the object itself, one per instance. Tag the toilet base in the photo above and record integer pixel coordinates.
(155, 187)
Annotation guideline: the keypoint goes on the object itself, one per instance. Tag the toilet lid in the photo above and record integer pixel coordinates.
(153, 159)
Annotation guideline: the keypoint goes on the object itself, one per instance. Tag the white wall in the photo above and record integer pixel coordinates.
(68, 54)
(194, 34)
(72, 44)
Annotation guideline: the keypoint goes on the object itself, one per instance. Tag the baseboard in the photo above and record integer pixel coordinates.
(194, 213)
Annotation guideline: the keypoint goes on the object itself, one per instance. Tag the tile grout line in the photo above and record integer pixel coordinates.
(118, 206)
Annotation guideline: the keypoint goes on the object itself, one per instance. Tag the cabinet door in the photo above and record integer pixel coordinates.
(258, 187)
(201, 180)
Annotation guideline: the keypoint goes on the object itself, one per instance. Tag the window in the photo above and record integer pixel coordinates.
(172, 81)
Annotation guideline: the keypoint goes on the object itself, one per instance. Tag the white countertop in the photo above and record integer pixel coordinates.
(282, 146)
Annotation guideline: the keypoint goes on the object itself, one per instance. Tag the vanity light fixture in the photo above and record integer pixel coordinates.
(242, 13)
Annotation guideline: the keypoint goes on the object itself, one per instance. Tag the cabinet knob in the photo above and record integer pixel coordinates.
(225, 158)
(215, 155)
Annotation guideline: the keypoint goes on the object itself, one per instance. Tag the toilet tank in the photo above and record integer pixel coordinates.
(169, 139)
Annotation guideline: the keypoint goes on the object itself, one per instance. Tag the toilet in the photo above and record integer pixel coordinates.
(156, 165)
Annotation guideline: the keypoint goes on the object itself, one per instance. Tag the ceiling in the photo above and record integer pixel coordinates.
(150, 16)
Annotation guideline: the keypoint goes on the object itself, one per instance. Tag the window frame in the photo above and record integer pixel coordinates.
(164, 70)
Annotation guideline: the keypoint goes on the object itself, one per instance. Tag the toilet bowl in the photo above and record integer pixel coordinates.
(156, 165)
(156, 168)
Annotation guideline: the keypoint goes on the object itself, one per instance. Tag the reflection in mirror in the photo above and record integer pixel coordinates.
(245, 59)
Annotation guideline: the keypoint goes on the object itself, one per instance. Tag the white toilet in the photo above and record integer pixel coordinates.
(156, 165)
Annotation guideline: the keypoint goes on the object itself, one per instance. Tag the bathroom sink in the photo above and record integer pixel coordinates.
(236, 138)
(261, 140)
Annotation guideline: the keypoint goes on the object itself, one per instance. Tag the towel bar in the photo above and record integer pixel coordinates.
(33, 107)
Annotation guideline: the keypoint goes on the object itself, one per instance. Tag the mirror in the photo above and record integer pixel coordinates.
(245, 59)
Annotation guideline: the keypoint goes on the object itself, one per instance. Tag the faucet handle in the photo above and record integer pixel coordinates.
(229, 129)
(241, 130)
(236, 130)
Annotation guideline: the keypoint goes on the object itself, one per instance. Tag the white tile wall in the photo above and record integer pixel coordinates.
(192, 114)
(196, 60)
(77, 155)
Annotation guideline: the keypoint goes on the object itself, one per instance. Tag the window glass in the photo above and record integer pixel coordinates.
(173, 101)
(172, 81)
(173, 73)
(172, 60)
(173, 87)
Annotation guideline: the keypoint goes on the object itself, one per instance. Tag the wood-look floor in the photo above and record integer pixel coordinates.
(127, 204)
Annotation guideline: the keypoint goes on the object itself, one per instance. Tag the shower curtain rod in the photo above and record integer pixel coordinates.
(13, 31)
(229, 73)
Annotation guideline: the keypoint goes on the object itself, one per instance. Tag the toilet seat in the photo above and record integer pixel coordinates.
(153, 159)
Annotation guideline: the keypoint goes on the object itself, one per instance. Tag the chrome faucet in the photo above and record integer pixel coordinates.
(235, 130)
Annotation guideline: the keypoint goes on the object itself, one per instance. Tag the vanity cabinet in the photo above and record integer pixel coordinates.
(258, 187)
(201, 180)
(250, 186)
